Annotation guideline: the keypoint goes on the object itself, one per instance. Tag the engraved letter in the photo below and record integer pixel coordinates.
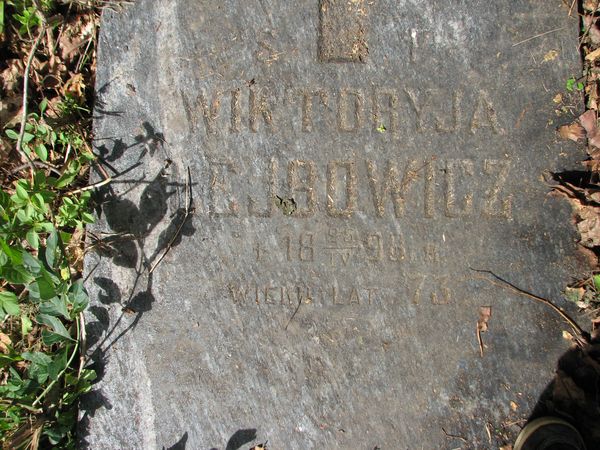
(258, 105)
(355, 111)
(270, 209)
(484, 115)
(307, 107)
(295, 184)
(236, 111)
(238, 293)
(465, 166)
(350, 191)
(391, 105)
(218, 172)
(494, 207)
(390, 185)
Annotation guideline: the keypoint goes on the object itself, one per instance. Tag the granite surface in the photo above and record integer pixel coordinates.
(348, 162)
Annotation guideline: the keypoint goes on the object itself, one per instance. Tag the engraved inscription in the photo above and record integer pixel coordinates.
(349, 109)
(415, 289)
(342, 189)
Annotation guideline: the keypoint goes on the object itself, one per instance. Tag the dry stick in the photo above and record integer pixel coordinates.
(581, 334)
(188, 211)
(537, 36)
(479, 340)
(107, 179)
(25, 87)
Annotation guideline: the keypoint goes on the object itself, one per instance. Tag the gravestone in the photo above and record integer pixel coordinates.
(301, 191)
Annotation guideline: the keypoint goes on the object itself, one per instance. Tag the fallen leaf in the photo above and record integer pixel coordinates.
(74, 86)
(573, 131)
(589, 227)
(557, 98)
(591, 26)
(485, 312)
(4, 342)
(593, 56)
(514, 406)
(589, 121)
(550, 56)
(574, 294)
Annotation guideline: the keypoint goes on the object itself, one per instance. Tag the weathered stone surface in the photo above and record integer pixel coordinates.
(321, 292)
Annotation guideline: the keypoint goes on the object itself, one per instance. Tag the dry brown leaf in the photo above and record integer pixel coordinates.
(506, 447)
(74, 86)
(485, 312)
(551, 55)
(513, 405)
(591, 26)
(593, 56)
(573, 131)
(589, 121)
(10, 110)
(4, 343)
(75, 37)
(590, 5)
(589, 227)
(557, 98)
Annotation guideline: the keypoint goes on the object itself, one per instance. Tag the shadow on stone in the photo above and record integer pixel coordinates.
(239, 438)
(180, 444)
(574, 392)
(131, 224)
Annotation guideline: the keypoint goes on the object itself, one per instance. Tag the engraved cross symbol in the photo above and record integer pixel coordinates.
(343, 31)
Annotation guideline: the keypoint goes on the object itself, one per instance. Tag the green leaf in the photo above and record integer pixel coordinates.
(58, 364)
(597, 282)
(78, 297)
(12, 134)
(31, 262)
(55, 324)
(15, 256)
(27, 137)
(17, 275)
(41, 289)
(38, 369)
(26, 325)
(21, 192)
(9, 303)
(41, 151)
(87, 217)
(1, 16)
(51, 247)
(33, 239)
(55, 307)
(43, 105)
(37, 358)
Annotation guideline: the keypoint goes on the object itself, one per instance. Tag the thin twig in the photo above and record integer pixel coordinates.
(25, 88)
(90, 187)
(581, 334)
(294, 313)
(479, 340)
(36, 164)
(186, 215)
(455, 436)
(538, 36)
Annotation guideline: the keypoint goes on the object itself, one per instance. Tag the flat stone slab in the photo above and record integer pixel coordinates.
(300, 192)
